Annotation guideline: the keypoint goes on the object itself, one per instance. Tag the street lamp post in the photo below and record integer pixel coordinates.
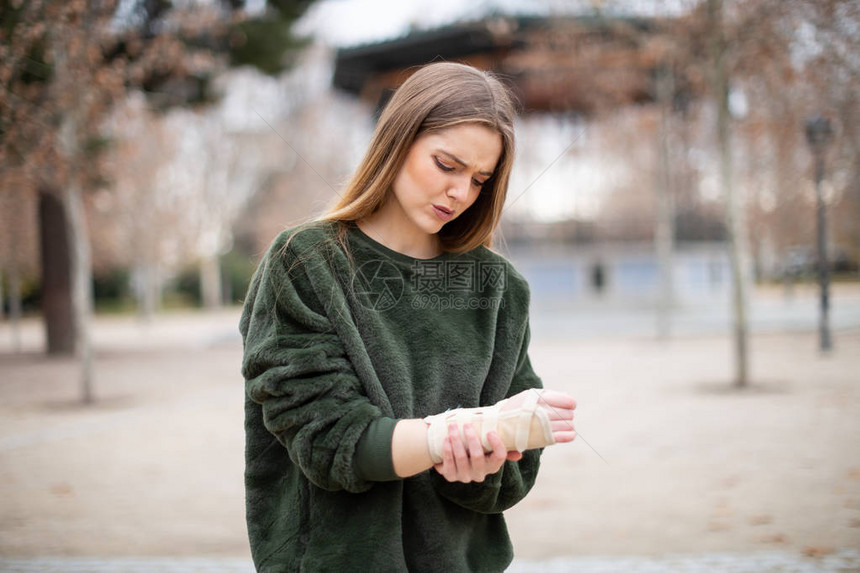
(818, 134)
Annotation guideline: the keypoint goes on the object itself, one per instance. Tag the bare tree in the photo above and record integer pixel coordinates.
(63, 65)
(737, 233)
(664, 236)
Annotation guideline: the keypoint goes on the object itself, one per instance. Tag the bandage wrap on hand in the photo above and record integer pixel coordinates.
(520, 429)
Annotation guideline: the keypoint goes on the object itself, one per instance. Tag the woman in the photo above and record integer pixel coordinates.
(386, 339)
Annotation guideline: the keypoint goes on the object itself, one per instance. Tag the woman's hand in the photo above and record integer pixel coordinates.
(467, 462)
(558, 406)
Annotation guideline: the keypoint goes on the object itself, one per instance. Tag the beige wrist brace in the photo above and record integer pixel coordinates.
(520, 429)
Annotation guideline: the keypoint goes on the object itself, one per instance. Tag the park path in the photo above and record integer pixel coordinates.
(770, 562)
(690, 475)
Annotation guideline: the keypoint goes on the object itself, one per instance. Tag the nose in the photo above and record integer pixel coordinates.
(459, 189)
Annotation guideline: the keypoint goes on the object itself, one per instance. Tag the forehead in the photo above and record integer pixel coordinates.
(478, 146)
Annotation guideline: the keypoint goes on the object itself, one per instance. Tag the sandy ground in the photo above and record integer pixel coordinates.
(685, 464)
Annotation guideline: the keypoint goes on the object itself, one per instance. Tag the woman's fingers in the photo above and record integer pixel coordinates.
(562, 437)
(461, 458)
(448, 464)
(484, 464)
(468, 462)
(476, 454)
(559, 407)
(557, 400)
(499, 455)
(558, 414)
(448, 467)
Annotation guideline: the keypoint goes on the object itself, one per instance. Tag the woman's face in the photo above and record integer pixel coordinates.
(443, 174)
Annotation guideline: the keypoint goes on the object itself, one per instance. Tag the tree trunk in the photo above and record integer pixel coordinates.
(79, 243)
(14, 277)
(147, 290)
(82, 288)
(733, 208)
(56, 274)
(15, 303)
(77, 255)
(664, 235)
(210, 282)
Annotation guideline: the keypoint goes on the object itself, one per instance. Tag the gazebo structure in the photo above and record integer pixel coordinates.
(566, 64)
(585, 67)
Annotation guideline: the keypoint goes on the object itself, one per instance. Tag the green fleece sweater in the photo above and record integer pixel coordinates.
(333, 345)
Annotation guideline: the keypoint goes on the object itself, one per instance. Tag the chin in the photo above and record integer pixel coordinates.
(432, 226)
(435, 230)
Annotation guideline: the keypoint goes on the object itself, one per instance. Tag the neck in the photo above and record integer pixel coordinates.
(399, 234)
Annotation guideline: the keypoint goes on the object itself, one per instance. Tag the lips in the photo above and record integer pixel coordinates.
(443, 212)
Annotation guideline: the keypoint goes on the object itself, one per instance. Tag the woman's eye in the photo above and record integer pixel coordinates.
(442, 166)
(479, 184)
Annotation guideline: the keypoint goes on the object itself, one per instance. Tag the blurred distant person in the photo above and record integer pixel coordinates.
(385, 339)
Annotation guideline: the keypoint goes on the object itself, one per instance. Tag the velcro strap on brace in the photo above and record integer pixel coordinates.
(520, 429)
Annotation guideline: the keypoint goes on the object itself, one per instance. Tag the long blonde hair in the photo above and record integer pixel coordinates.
(435, 97)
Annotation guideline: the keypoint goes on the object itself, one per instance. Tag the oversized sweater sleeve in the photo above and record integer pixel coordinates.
(297, 370)
(508, 486)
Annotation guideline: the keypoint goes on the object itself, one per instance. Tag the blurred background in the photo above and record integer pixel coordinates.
(685, 204)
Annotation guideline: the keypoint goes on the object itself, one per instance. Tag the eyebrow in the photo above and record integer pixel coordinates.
(456, 159)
